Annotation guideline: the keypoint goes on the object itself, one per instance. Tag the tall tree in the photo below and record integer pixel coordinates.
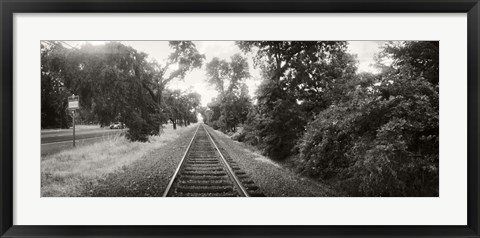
(53, 89)
(184, 58)
(181, 107)
(299, 77)
(228, 78)
(115, 82)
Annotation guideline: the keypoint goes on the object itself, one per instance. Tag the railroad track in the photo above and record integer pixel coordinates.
(207, 171)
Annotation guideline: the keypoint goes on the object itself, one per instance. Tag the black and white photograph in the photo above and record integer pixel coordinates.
(181, 118)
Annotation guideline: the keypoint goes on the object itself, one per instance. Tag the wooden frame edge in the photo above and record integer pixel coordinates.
(9, 7)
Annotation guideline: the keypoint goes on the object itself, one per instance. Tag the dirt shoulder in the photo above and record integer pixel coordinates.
(115, 166)
(273, 179)
(147, 177)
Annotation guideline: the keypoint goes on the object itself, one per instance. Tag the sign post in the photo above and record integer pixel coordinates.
(73, 116)
(73, 105)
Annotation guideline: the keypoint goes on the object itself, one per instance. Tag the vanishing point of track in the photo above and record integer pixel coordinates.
(206, 171)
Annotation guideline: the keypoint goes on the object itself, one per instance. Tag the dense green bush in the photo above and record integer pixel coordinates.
(276, 123)
(382, 141)
(300, 79)
(239, 135)
(379, 147)
(139, 129)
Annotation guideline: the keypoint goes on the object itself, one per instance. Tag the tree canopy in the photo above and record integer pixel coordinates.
(299, 80)
(231, 106)
(373, 134)
(115, 83)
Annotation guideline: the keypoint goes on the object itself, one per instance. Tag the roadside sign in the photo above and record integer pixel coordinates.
(72, 105)
(73, 102)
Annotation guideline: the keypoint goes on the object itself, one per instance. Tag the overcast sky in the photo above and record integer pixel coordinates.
(195, 80)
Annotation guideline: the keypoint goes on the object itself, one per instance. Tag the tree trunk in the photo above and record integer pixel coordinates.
(174, 122)
(159, 101)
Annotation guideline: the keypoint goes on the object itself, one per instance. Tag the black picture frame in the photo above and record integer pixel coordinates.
(9, 7)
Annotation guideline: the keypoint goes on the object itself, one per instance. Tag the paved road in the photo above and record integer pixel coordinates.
(56, 140)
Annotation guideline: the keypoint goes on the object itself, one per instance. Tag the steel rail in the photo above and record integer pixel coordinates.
(167, 190)
(238, 184)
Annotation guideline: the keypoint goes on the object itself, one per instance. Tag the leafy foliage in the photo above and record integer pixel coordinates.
(115, 83)
(369, 134)
(54, 92)
(383, 140)
(181, 107)
(231, 106)
(301, 78)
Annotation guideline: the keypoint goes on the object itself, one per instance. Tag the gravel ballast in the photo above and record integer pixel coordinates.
(147, 177)
(270, 177)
